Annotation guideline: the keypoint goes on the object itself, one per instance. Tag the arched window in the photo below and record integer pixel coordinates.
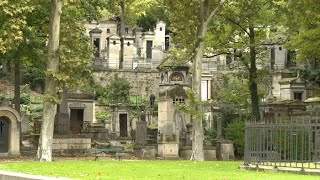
(176, 77)
(108, 30)
(128, 44)
(114, 43)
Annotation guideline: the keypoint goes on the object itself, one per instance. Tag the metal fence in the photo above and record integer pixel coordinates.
(104, 64)
(291, 142)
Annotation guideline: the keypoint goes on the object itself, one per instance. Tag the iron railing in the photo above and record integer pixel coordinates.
(293, 142)
(105, 64)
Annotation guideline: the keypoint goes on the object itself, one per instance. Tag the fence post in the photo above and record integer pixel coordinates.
(246, 144)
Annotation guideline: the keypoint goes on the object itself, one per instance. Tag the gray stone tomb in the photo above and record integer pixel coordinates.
(171, 121)
(9, 132)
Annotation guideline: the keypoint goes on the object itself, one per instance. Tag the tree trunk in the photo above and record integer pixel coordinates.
(253, 76)
(121, 35)
(197, 141)
(205, 17)
(17, 85)
(49, 107)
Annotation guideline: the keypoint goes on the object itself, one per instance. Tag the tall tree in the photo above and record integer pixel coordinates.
(194, 17)
(13, 16)
(69, 59)
(250, 22)
(49, 107)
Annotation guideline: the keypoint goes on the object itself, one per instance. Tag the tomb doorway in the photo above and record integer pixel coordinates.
(4, 134)
(123, 125)
(76, 120)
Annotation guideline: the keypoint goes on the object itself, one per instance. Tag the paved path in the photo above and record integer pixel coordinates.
(281, 169)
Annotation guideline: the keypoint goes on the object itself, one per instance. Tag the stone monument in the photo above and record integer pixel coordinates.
(141, 131)
(171, 121)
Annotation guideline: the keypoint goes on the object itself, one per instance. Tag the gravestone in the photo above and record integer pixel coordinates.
(141, 133)
(25, 127)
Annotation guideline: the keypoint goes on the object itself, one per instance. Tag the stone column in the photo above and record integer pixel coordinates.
(219, 127)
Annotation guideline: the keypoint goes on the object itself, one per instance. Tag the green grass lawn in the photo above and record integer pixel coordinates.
(145, 170)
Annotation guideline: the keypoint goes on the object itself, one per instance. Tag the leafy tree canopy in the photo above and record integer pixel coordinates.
(117, 91)
(303, 21)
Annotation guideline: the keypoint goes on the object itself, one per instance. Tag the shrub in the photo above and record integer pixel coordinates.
(118, 91)
(103, 115)
(2, 98)
(235, 131)
(25, 99)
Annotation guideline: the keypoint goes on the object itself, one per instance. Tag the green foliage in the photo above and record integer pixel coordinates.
(35, 76)
(175, 58)
(137, 8)
(234, 91)
(149, 20)
(25, 99)
(184, 19)
(138, 104)
(117, 91)
(38, 109)
(302, 21)
(35, 111)
(235, 131)
(13, 22)
(2, 98)
(103, 115)
(29, 33)
(310, 74)
(192, 102)
(3, 75)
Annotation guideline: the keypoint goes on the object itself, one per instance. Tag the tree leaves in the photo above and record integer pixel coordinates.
(13, 21)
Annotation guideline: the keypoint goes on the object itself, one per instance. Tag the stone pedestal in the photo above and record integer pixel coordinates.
(225, 150)
(141, 133)
(168, 150)
(145, 152)
(168, 146)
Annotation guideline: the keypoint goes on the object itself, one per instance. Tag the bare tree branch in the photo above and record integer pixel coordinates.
(215, 55)
(237, 24)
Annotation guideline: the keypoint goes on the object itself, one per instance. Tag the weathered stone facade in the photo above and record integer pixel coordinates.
(143, 82)
(9, 132)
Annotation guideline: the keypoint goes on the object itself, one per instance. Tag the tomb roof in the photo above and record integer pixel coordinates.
(96, 31)
(80, 94)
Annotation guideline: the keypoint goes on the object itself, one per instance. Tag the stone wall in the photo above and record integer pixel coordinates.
(71, 146)
(143, 82)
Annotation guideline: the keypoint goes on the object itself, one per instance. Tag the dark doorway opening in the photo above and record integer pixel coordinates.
(149, 49)
(96, 43)
(76, 120)
(4, 134)
(123, 125)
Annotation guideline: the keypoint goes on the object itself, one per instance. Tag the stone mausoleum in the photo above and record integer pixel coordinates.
(172, 122)
(9, 132)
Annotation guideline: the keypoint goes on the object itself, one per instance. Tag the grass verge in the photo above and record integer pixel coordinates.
(145, 170)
